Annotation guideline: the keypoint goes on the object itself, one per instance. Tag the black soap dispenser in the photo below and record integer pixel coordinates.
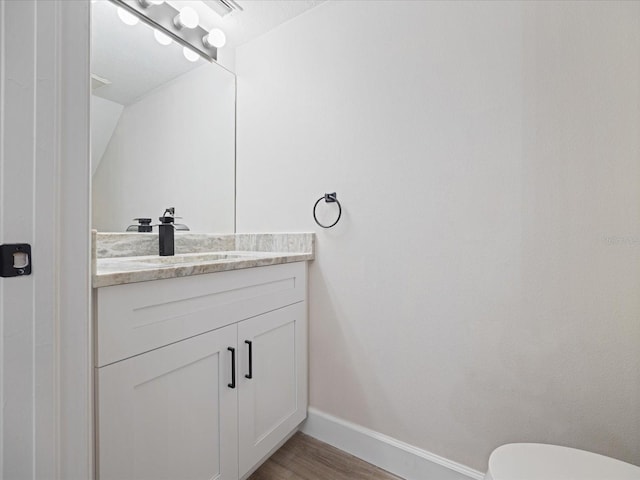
(165, 232)
(144, 225)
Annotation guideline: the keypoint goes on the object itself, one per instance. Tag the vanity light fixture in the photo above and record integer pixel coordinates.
(161, 38)
(126, 17)
(172, 24)
(215, 38)
(187, 18)
(190, 54)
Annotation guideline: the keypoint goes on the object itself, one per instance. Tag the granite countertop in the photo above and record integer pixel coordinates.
(121, 258)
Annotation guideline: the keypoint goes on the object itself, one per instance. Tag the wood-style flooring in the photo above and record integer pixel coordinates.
(305, 458)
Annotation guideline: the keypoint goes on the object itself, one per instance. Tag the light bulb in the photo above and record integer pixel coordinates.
(216, 38)
(190, 54)
(126, 17)
(187, 18)
(161, 38)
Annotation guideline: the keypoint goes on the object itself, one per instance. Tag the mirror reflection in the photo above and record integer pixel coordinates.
(162, 129)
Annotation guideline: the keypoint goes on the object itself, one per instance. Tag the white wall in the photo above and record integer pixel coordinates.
(175, 147)
(482, 285)
(105, 115)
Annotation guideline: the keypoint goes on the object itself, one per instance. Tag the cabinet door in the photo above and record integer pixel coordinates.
(274, 400)
(169, 413)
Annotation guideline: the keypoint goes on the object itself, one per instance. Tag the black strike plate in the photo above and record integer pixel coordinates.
(15, 260)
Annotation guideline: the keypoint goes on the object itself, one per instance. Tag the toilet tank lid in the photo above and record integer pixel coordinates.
(538, 461)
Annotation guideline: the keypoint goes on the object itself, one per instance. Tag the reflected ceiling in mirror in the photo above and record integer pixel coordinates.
(163, 129)
(130, 57)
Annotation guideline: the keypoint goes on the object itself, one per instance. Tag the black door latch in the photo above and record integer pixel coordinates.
(15, 260)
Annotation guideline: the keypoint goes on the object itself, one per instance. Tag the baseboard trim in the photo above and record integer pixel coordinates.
(394, 456)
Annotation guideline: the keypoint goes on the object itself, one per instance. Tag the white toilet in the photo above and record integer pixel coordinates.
(537, 461)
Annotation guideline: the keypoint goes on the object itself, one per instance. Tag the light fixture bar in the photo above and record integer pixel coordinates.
(161, 17)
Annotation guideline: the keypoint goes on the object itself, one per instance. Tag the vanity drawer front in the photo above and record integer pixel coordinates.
(138, 317)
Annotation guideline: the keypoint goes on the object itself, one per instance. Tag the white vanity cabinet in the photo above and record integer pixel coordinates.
(270, 403)
(169, 414)
(210, 376)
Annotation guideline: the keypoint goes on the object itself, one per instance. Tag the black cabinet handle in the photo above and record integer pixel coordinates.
(250, 374)
(233, 367)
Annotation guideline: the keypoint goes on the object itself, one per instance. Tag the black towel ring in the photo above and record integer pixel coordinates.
(328, 198)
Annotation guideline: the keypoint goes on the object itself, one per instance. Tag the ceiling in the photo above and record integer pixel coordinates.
(134, 63)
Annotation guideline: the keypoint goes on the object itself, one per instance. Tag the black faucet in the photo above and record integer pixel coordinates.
(165, 232)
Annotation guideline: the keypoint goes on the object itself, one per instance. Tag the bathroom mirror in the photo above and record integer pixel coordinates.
(162, 129)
